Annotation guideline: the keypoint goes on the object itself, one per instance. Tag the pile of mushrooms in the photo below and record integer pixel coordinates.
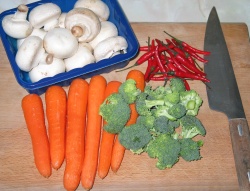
(50, 41)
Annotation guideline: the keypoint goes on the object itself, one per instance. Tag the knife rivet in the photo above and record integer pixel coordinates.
(248, 174)
(240, 131)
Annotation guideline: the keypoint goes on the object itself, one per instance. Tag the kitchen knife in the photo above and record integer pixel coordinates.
(224, 96)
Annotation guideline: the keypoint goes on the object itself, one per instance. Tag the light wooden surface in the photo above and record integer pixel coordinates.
(215, 171)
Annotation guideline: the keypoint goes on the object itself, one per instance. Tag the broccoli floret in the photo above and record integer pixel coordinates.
(191, 126)
(158, 93)
(177, 85)
(162, 110)
(153, 103)
(161, 125)
(177, 111)
(129, 91)
(190, 149)
(134, 137)
(192, 101)
(116, 112)
(147, 121)
(140, 105)
(172, 98)
(165, 149)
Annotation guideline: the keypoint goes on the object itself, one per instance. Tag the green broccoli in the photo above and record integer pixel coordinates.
(147, 121)
(165, 149)
(177, 85)
(116, 112)
(177, 111)
(153, 103)
(134, 137)
(190, 149)
(172, 98)
(191, 126)
(158, 93)
(129, 91)
(162, 110)
(192, 101)
(162, 125)
(140, 105)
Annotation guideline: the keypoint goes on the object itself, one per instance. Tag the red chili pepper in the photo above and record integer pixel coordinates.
(195, 55)
(159, 63)
(184, 44)
(186, 84)
(188, 76)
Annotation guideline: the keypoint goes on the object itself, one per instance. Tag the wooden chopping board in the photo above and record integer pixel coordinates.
(215, 171)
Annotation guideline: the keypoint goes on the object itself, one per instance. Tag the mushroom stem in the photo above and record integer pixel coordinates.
(49, 59)
(77, 31)
(21, 13)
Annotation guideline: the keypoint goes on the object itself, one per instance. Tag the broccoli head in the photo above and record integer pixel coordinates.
(134, 137)
(158, 93)
(116, 112)
(162, 110)
(191, 126)
(140, 105)
(177, 85)
(162, 125)
(165, 149)
(129, 91)
(192, 101)
(190, 149)
(172, 98)
(147, 121)
(177, 111)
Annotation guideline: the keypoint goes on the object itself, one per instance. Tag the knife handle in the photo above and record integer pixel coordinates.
(240, 137)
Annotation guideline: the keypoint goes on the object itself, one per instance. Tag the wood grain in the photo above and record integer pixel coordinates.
(215, 171)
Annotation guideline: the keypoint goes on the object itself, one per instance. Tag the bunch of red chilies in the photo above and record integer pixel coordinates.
(174, 58)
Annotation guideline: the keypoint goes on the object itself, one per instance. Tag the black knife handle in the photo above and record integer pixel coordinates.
(240, 137)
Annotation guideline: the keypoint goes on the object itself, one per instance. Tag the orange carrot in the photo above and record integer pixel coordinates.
(97, 88)
(75, 132)
(118, 149)
(56, 107)
(107, 139)
(33, 111)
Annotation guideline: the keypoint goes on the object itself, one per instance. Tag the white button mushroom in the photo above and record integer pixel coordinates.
(61, 20)
(82, 57)
(110, 47)
(108, 29)
(16, 25)
(97, 6)
(60, 43)
(83, 23)
(30, 53)
(45, 15)
(48, 67)
(36, 32)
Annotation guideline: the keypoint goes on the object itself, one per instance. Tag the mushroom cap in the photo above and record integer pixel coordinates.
(44, 13)
(98, 7)
(60, 43)
(108, 29)
(44, 69)
(16, 26)
(61, 20)
(30, 53)
(83, 23)
(36, 32)
(82, 57)
(110, 47)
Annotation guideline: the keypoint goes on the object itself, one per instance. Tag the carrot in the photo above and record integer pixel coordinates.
(56, 107)
(97, 87)
(33, 111)
(107, 139)
(118, 149)
(75, 132)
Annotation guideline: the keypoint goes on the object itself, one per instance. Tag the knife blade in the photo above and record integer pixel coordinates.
(224, 96)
